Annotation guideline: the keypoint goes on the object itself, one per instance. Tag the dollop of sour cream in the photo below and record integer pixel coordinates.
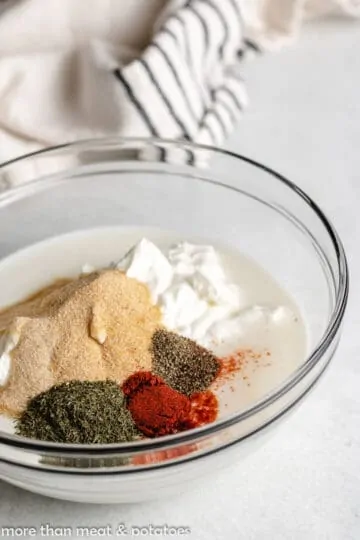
(8, 342)
(196, 297)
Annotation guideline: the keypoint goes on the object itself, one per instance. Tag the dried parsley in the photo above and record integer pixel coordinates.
(83, 412)
(183, 364)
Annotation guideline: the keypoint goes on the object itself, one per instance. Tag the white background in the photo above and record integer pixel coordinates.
(304, 121)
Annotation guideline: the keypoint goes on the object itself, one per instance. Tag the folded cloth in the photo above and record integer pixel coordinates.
(76, 70)
(185, 84)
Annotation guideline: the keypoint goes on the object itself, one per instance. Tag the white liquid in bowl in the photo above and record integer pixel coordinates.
(277, 349)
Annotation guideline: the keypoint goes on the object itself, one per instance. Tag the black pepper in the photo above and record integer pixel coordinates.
(183, 364)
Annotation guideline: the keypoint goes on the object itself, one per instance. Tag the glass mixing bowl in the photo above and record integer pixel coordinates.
(195, 191)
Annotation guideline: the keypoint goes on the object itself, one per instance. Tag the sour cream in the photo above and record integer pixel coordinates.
(195, 294)
(8, 342)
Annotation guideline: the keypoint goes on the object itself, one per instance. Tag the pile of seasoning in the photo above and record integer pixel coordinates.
(82, 412)
(157, 409)
(182, 363)
(174, 397)
(100, 412)
(204, 408)
(94, 327)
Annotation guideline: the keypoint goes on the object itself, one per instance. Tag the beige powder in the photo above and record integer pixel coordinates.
(96, 327)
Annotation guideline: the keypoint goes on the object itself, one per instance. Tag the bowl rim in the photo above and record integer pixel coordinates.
(289, 383)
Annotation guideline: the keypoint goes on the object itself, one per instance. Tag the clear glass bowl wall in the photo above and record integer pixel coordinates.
(232, 200)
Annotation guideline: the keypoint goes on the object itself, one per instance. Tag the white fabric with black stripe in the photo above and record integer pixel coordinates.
(187, 84)
(67, 73)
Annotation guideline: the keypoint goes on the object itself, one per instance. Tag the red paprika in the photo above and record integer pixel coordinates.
(138, 380)
(156, 408)
(204, 408)
(159, 410)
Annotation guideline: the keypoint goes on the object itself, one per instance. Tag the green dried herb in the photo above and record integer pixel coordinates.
(83, 412)
(183, 364)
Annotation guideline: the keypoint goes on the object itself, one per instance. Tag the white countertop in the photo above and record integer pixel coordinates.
(304, 484)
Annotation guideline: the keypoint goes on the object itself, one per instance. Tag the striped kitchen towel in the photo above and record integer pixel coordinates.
(188, 84)
(77, 70)
(185, 84)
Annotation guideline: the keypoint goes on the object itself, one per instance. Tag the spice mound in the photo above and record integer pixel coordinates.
(81, 412)
(92, 328)
(98, 359)
(183, 364)
(155, 408)
(204, 408)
